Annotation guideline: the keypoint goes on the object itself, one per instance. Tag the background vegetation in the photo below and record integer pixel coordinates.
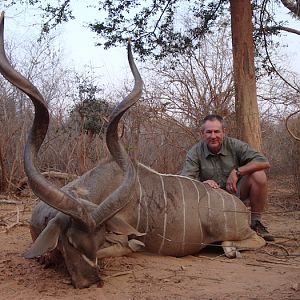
(159, 129)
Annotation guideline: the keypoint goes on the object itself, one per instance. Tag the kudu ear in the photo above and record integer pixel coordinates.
(46, 241)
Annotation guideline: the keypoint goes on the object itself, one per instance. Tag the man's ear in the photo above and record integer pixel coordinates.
(201, 134)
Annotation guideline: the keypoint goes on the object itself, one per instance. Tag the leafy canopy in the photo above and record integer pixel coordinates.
(159, 28)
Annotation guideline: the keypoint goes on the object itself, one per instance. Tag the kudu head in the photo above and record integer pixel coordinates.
(78, 228)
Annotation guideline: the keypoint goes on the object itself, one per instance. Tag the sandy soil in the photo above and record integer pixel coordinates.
(270, 273)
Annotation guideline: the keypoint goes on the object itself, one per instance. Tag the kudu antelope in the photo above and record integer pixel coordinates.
(122, 205)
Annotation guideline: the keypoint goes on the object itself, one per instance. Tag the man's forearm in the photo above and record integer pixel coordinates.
(253, 166)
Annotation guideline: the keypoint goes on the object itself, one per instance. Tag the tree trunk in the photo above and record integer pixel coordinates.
(247, 114)
(3, 173)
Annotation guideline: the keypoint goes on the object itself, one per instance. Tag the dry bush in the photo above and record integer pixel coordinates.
(293, 126)
(13, 124)
(159, 130)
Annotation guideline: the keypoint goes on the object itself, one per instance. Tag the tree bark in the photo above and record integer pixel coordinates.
(247, 114)
(3, 173)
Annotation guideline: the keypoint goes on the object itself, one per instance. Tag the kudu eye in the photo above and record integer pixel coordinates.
(71, 242)
(92, 261)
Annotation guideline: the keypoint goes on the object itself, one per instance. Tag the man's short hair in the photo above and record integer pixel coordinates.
(213, 117)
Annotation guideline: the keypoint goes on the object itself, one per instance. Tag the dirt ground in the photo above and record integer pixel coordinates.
(269, 273)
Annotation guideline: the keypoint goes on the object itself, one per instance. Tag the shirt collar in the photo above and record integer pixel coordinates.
(223, 151)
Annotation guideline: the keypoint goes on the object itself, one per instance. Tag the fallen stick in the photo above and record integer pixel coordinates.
(9, 201)
(277, 263)
(119, 274)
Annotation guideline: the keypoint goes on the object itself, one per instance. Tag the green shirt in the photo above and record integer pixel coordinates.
(203, 165)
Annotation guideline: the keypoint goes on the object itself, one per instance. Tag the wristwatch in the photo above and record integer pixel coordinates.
(238, 172)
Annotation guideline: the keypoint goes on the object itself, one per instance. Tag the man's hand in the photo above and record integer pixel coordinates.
(212, 184)
(231, 182)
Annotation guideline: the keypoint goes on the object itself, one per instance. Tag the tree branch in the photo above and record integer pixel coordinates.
(283, 28)
(293, 6)
(287, 126)
(261, 18)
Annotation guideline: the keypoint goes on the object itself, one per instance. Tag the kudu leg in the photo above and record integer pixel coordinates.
(252, 243)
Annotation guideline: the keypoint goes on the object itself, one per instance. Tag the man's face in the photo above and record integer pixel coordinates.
(213, 135)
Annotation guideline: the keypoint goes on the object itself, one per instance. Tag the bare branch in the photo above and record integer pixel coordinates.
(287, 126)
(293, 6)
(263, 11)
(284, 28)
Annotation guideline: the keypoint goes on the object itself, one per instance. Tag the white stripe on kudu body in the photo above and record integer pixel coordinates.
(146, 209)
(199, 208)
(139, 203)
(235, 215)
(184, 215)
(224, 213)
(208, 206)
(165, 214)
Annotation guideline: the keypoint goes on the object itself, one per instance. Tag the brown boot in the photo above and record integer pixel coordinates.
(262, 231)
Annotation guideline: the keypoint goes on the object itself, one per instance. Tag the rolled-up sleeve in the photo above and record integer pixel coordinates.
(247, 154)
